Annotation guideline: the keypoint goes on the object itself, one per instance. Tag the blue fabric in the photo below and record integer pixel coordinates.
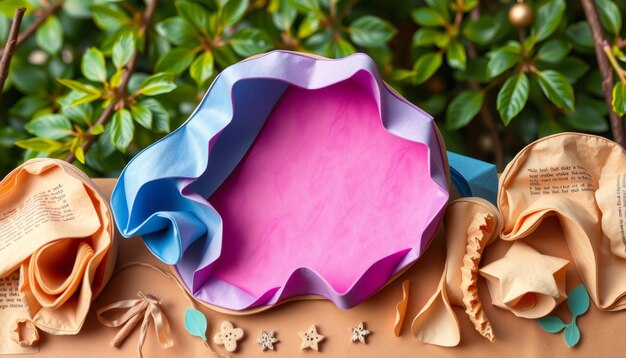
(473, 177)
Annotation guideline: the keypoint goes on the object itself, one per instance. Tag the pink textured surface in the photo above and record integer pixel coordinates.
(324, 186)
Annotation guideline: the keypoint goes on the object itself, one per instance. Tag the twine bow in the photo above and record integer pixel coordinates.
(136, 310)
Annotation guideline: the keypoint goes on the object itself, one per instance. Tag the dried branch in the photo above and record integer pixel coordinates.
(617, 125)
(43, 15)
(120, 92)
(9, 47)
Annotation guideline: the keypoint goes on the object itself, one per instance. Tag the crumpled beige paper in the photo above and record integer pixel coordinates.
(471, 224)
(526, 282)
(57, 229)
(581, 180)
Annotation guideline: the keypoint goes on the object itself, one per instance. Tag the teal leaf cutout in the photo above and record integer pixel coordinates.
(552, 324)
(195, 323)
(578, 304)
(572, 335)
(578, 301)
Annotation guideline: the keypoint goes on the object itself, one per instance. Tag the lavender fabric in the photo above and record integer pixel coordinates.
(170, 193)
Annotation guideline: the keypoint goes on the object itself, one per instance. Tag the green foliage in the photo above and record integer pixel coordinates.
(461, 60)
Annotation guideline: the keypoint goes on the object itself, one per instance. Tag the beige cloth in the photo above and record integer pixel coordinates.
(526, 282)
(581, 180)
(57, 228)
(471, 224)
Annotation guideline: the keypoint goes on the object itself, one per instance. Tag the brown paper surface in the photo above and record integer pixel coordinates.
(516, 337)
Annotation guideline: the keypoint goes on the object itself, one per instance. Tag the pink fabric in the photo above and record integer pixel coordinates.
(321, 186)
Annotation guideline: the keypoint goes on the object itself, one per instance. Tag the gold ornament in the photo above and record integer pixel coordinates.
(521, 15)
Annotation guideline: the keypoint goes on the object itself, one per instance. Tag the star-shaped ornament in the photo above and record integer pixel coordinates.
(310, 338)
(267, 340)
(359, 333)
(228, 336)
(526, 282)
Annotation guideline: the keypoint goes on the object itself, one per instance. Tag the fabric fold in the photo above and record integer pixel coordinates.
(471, 224)
(581, 180)
(166, 193)
(57, 229)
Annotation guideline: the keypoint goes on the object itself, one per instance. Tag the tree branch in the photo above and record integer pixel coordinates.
(617, 125)
(9, 47)
(120, 92)
(41, 18)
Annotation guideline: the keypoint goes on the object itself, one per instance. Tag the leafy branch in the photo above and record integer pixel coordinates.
(117, 101)
(42, 16)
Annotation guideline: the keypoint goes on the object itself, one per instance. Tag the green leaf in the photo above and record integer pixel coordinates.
(195, 323)
(512, 97)
(476, 70)
(158, 83)
(571, 335)
(80, 87)
(425, 66)
(160, 116)
(309, 25)
(305, 6)
(195, 15)
(28, 79)
(428, 17)
(551, 324)
(80, 154)
(342, 48)
(285, 16)
(8, 136)
(587, 118)
(27, 106)
(547, 19)
(109, 17)
(400, 74)
(482, 31)
(610, 16)
(225, 55)
(371, 31)
(122, 129)
(50, 35)
(80, 114)
(93, 65)
(86, 99)
(619, 98)
(424, 37)
(202, 67)
(233, 11)
(441, 6)
(123, 50)
(580, 34)
(177, 31)
(571, 67)
(557, 88)
(463, 108)
(97, 129)
(456, 56)
(176, 60)
(53, 126)
(142, 115)
(554, 51)
(249, 42)
(41, 145)
(502, 59)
